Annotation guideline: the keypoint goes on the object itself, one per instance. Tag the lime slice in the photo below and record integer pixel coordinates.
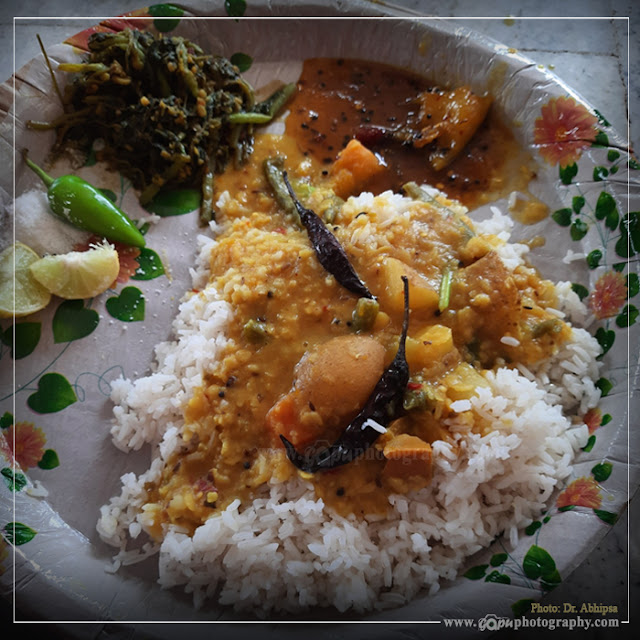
(17, 285)
(78, 274)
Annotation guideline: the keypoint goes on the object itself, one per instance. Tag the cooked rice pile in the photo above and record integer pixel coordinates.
(285, 552)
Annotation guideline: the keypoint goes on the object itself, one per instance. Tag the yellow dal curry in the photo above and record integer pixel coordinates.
(297, 364)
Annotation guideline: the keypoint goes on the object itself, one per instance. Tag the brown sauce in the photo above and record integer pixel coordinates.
(337, 96)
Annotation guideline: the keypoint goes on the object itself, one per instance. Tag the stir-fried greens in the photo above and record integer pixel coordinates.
(166, 113)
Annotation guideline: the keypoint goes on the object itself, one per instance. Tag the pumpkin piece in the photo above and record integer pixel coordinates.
(407, 456)
(353, 168)
(450, 118)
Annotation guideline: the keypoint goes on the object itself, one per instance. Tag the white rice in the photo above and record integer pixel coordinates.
(285, 551)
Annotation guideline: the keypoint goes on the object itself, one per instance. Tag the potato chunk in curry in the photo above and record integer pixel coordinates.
(331, 384)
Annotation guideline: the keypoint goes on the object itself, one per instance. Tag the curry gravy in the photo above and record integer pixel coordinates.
(285, 306)
(338, 96)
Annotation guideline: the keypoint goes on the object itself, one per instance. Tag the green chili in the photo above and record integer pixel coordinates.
(249, 117)
(206, 214)
(83, 67)
(76, 201)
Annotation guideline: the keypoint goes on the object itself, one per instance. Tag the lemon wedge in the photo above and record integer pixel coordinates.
(20, 293)
(78, 274)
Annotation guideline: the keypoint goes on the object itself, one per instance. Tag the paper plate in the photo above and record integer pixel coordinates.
(66, 356)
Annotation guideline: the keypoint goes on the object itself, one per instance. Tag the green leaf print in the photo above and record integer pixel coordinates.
(496, 576)
(73, 321)
(601, 140)
(235, 8)
(578, 230)
(562, 217)
(477, 572)
(128, 306)
(590, 442)
(27, 336)
(498, 559)
(633, 285)
(604, 385)
(551, 580)
(606, 516)
(174, 202)
(628, 243)
(568, 507)
(150, 265)
(606, 208)
(242, 61)
(605, 338)
(49, 460)
(577, 203)
(602, 471)
(166, 11)
(533, 527)
(538, 563)
(600, 174)
(54, 394)
(581, 291)
(18, 533)
(568, 173)
(16, 481)
(627, 316)
(593, 258)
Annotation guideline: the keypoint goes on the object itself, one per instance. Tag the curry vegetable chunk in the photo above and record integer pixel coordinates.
(331, 383)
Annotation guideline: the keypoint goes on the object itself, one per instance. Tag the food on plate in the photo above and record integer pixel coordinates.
(384, 109)
(449, 118)
(382, 407)
(28, 281)
(79, 203)
(78, 274)
(20, 293)
(365, 384)
(327, 248)
(165, 113)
